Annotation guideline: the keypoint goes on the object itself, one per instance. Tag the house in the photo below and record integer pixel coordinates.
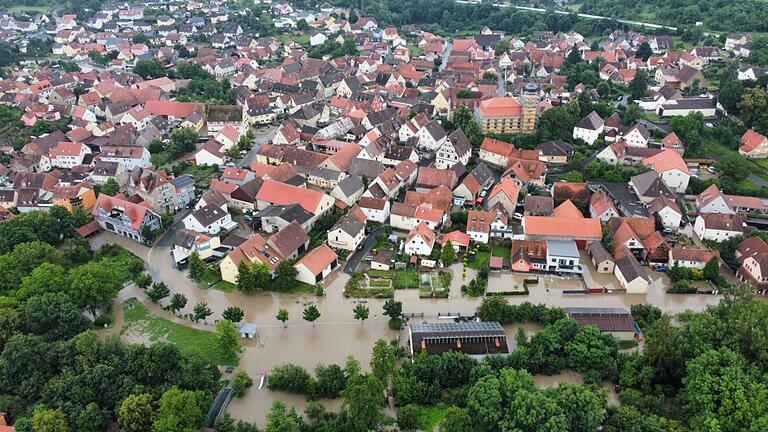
(581, 230)
(563, 257)
(473, 338)
(210, 219)
(682, 106)
(129, 156)
(639, 236)
(68, 154)
(431, 137)
(347, 233)
(243, 197)
(254, 250)
(406, 217)
(458, 239)
(455, 149)
(690, 257)
(712, 200)
(430, 178)
(537, 205)
(273, 192)
(719, 227)
(752, 255)
(383, 260)
(122, 217)
(212, 153)
(290, 242)
(508, 115)
(673, 142)
(276, 217)
(187, 242)
(631, 275)
(528, 255)
(753, 145)
(601, 259)
(504, 194)
(667, 211)
(589, 128)
(482, 224)
(476, 184)
(158, 190)
(616, 322)
(420, 240)
(496, 152)
(79, 195)
(577, 193)
(316, 265)
(648, 186)
(349, 190)
(671, 168)
(376, 210)
(555, 151)
(601, 206)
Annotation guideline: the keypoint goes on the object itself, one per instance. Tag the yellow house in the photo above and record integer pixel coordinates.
(440, 102)
(69, 197)
(252, 251)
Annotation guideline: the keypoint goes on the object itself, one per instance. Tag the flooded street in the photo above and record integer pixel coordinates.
(337, 335)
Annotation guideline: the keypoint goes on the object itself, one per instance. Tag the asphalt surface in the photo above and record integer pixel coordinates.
(358, 255)
(752, 178)
(260, 137)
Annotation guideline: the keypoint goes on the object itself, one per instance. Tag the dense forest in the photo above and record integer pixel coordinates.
(718, 15)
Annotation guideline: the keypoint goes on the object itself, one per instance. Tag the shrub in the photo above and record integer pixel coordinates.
(395, 323)
(290, 378)
(241, 383)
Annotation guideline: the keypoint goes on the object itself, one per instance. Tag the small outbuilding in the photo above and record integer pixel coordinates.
(473, 338)
(614, 321)
(601, 259)
(248, 330)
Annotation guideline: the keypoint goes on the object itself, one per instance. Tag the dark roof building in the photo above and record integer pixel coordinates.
(616, 321)
(473, 338)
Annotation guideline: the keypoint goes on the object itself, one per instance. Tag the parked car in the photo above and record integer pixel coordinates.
(661, 268)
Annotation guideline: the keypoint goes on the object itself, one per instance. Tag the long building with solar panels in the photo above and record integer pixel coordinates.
(473, 338)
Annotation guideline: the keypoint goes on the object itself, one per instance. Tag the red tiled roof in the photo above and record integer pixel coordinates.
(318, 259)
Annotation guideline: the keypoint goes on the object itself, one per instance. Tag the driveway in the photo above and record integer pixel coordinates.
(357, 256)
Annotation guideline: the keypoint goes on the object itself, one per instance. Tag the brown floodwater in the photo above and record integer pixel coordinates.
(337, 335)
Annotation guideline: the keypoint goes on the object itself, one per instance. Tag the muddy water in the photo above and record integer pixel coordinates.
(571, 377)
(337, 334)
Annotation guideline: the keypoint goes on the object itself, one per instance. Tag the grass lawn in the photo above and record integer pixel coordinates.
(501, 251)
(188, 340)
(202, 174)
(431, 416)
(759, 166)
(415, 50)
(405, 279)
(480, 256)
(301, 39)
(225, 286)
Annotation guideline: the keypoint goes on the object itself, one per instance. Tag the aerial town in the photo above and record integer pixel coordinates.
(438, 215)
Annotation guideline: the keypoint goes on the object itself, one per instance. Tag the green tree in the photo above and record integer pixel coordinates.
(644, 51)
(257, 275)
(574, 56)
(196, 267)
(501, 47)
(143, 280)
(110, 187)
(240, 383)
(448, 254)
(456, 419)
(361, 312)
(178, 411)
(408, 418)
(280, 419)
(311, 314)
(93, 286)
(302, 25)
(91, 419)
(573, 176)
(393, 309)
(183, 139)
(382, 360)
(556, 123)
(583, 407)
(363, 399)
(753, 105)
(150, 68)
(47, 278)
(53, 316)
(712, 269)
(733, 166)
(178, 301)
(484, 404)
(285, 276)
(227, 338)
(638, 87)
(135, 413)
(282, 316)
(201, 311)
(49, 420)
(158, 291)
(730, 96)
(10, 321)
(233, 313)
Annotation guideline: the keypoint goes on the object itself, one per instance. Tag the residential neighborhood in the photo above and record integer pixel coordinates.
(268, 186)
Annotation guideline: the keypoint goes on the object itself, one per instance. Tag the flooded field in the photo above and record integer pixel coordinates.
(337, 335)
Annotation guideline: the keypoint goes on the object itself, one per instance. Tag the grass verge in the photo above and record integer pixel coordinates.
(431, 416)
(156, 329)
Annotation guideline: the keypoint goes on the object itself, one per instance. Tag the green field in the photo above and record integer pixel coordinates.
(202, 343)
(501, 251)
(30, 9)
(301, 39)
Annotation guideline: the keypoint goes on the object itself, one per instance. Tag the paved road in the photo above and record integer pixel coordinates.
(445, 56)
(664, 127)
(357, 256)
(260, 137)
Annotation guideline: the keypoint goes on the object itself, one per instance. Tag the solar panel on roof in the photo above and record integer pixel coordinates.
(451, 327)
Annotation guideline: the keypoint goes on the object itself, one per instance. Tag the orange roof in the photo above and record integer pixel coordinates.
(568, 210)
(554, 226)
(281, 193)
(423, 231)
(508, 187)
(135, 212)
(66, 149)
(172, 108)
(457, 238)
(671, 141)
(666, 160)
(480, 221)
(500, 107)
(751, 140)
(318, 259)
(492, 145)
(224, 187)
